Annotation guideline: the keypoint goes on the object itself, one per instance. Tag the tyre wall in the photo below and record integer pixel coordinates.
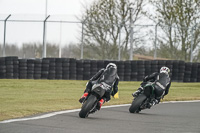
(72, 69)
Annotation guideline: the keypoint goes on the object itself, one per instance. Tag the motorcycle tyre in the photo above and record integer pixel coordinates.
(136, 103)
(87, 106)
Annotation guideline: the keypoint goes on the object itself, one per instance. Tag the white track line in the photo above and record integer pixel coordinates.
(75, 110)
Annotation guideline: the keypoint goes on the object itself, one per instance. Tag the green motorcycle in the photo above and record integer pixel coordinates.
(145, 99)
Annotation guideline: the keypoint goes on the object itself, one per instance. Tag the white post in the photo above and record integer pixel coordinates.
(119, 51)
(44, 38)
(192, 43)
(60, 39)
(4, 39)
(131, 35)
(155, 43)
(82, 41)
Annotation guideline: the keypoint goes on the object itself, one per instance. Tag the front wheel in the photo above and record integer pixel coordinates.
(136, 103)
(87, 106)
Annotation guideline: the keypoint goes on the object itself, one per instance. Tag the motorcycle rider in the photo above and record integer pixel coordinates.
(108, 76)
(162, 83)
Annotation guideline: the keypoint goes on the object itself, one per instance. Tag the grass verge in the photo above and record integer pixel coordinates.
(19, 98)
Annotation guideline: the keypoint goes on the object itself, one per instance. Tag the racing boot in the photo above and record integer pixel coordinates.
(100, 103)
(157, 101)
(152, 103)
(82, 99)
(149, 105)
(136, 93)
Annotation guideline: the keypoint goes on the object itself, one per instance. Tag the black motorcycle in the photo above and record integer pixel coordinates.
(90, 104)
(145, 99)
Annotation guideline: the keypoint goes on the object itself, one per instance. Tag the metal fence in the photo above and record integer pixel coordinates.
(21, 30)
(62, 32)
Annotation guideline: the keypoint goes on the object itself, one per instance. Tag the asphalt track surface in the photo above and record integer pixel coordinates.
(181, 117)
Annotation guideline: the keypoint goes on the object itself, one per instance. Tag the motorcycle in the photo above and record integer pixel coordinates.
(90, 104)
(145, 99)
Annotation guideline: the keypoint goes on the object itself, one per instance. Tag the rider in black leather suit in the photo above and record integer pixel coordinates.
(162, 83)
(108, 76)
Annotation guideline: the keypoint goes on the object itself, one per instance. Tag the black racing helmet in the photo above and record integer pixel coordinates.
(111, 65)
(111, 69)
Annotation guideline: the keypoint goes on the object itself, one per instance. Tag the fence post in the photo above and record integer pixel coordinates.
(131, 35)
(60, 50)
(82, 38)
(192, 43)
(119, 50)
(44, 38)
(4, 40)
(155, 43)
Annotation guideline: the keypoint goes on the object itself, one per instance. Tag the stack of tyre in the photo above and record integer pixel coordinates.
(65, 68)
(100, 64)
(12, 66)
(194, 73)
(181, 71)
(154, 66)
(147, 65)
(106, 62)
(30, 68)
(141, 70)
(169, 64)
(79, 69)
(22, 68)
(69, 68)
(175, 71)
(2, 68)
(45, 68)
(37, 69)
(86, 70)
(9, 67)
(127, 70)
(93, 68)
(120, 70)
(198, 75)
(52, 68)
(58, 68)
(161, 63)
(188, 71)
(15, 67)
(134, 70)
(72, 69)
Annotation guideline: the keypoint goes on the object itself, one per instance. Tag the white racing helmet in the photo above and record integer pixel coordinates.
(164, 70)
(111, 65)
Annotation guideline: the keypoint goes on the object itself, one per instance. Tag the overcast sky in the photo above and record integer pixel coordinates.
(26, 32)
(34, 9)
(70, 7)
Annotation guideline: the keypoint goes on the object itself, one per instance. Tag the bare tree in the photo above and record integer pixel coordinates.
(103, 23)
(178, 19)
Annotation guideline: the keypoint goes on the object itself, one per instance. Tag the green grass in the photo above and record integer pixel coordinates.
(19, 98)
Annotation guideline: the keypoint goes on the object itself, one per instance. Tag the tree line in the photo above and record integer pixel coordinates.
(34, 50)
(107, 27)
(177, 20)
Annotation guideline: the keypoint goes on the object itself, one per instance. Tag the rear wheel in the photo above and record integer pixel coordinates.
(87, 106)
(136, 103)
